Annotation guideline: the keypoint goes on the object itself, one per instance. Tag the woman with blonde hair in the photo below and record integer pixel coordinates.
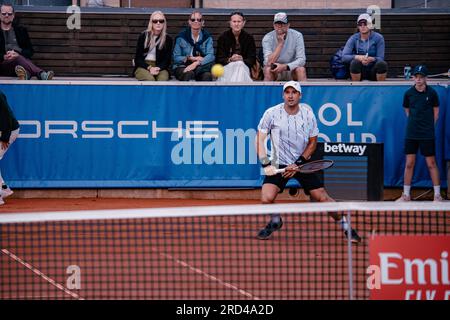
(154, 50)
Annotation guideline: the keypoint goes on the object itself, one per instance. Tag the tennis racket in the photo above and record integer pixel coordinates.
(311, 167)
(444, 74)
(437, 75)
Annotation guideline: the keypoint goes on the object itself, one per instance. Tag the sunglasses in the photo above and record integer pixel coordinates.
(160, 21)
(362, 24)
(7, 14)
(196, 20)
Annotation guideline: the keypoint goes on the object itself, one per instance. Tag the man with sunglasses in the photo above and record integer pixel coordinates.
(193, 54)
(284, 52)
(16, 49)
(364, 51)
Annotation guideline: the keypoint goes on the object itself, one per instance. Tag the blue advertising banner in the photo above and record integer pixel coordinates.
(167, 136)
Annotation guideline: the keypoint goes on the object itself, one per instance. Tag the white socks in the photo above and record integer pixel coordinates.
(343, 223)
(437, 190)
(407, 190)
(275, 218)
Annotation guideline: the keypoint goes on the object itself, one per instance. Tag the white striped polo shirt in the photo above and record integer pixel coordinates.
(289, 134)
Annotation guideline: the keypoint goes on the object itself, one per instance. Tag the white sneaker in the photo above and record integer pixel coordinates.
(438, 198)
(5, 193)
(403, 198)
(1, 200)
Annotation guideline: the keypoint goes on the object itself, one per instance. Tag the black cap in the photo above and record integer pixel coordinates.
(420, 69)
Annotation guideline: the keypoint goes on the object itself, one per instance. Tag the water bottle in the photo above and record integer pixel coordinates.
(407, 71)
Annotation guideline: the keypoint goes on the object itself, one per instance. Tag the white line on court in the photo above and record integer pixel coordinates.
(41, 274)
(207, 275)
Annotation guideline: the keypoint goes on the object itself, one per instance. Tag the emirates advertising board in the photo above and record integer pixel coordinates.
(409, 267)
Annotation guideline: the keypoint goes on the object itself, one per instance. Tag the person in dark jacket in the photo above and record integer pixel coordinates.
(9, 131)
(16, 49)
(154, 51)
(236, 51)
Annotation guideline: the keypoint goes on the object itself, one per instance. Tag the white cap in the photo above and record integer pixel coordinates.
(280, 17)
(364, 16)
(293, 84)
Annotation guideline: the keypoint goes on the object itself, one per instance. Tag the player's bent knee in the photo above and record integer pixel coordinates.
(267, 199)
(321, 195)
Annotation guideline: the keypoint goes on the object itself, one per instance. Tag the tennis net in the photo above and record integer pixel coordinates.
(202, 253)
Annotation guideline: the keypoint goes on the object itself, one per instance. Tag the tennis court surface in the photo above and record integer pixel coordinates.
(201, 253)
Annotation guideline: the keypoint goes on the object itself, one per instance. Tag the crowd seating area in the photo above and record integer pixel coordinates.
(105, 43)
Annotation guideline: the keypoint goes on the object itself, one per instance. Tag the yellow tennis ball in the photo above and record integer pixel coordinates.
(217, 70)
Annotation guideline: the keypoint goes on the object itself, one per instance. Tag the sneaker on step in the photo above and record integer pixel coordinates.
(21, 73)
(438, 198)
(403, 198)
(6, 192)
(46, 75)
(355, 238)
(271, 227)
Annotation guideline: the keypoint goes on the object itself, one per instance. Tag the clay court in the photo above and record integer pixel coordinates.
(189, 258)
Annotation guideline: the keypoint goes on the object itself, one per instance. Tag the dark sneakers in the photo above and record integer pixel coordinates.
(355, 237)
(265, 233)
(271, 227)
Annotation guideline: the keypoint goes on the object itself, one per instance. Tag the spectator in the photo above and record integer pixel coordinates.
(364, 51)
(236, 51)
(154, 51)
(284, 52)
(193, 55)
(9, 131)
(16, 49)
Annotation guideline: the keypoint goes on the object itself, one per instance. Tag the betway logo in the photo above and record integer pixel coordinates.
(344, 148)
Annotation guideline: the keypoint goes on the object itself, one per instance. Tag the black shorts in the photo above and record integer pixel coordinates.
(427, 147)
(309, 181)
(368, 72)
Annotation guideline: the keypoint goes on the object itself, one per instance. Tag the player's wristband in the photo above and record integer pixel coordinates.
(265, 162)
(300, 160)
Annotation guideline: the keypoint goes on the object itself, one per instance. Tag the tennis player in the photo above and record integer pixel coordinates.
(293, 132)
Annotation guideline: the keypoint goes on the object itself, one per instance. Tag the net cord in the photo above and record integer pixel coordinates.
(255, 209)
